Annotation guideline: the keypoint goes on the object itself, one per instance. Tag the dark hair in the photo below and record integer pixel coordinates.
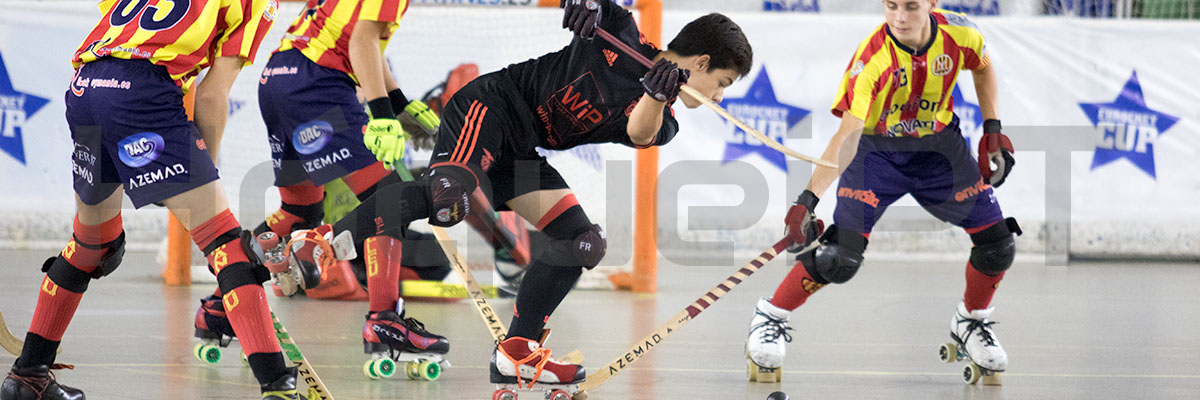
(719, 37)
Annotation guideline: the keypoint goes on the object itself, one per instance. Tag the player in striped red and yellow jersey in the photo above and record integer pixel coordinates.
(898, 136)
(132, 136)
(318, 131)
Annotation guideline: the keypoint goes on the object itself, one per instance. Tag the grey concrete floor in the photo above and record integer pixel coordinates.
(1087, 331)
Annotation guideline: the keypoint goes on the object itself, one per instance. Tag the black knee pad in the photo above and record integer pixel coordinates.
(577, 242)
(450, 188)
(73, 279)
(838, 257)
(995, 248)
(241, 274)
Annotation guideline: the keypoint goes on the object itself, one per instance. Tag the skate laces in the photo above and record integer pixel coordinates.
(416, 326)
(984, 329)
(773, 328)
(39, 384)
(325, 260)
(542, 352)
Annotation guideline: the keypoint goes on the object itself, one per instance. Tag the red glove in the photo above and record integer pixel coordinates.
(802, 225)
(995, 148)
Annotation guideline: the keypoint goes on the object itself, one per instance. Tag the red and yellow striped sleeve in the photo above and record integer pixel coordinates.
(383, 10)
(247, 22)
(967, 37)
(859, 83)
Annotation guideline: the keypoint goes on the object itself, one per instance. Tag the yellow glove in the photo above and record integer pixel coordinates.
(385, 138)
(421, 112)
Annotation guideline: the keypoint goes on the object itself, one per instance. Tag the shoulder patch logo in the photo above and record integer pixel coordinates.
(610, 56)
(857, 68)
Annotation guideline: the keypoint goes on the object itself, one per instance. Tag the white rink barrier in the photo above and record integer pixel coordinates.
(1104, 161)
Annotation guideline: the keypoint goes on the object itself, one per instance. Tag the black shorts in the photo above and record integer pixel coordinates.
(488, 127)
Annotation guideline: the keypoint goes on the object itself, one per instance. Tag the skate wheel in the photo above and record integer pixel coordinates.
(948, 353)
(430, 370)
(504, 394)
(751, 371)
(412, 370)
(207, 353)
(311, 274)
(558, 394)
(778, 374)
(971, 373)
(245, 360)
(379, 368)
(581, 395)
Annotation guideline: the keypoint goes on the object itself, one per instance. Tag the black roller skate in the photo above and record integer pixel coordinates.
(283, 388)
(37, 383)
(388, 338)
(213, 330)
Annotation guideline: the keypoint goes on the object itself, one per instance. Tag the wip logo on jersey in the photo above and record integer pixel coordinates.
(310, 137)
(760, 109)
(1127, 128)
(140, 149)
(15, 108)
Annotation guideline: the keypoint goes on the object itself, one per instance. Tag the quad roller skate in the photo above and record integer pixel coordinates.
(521, 365)
(975, 343)
(766, 344)
(37, 382)
(213, 330)
(389, 338)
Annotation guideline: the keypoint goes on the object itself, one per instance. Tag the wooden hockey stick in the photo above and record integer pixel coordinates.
(478, 296)
(595, 379)
(696, 95)
(316, 388)
(8, 341)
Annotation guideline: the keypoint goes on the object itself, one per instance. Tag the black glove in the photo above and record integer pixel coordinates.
(801, 224)
(663, 80)
(995, 148)
(582, 17)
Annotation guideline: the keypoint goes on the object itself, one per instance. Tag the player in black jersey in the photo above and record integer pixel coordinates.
(588, 92)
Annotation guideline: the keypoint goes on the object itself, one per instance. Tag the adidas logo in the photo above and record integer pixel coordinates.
(610, 56)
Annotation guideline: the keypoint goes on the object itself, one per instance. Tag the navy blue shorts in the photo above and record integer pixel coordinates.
(314, 120)
(938, 170)
(130, 128)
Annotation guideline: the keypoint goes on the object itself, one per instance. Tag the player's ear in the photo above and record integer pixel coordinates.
(703, 62)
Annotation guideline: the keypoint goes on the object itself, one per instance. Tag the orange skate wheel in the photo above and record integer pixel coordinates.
(504, 394)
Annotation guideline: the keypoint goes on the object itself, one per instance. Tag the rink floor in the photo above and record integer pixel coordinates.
(1087, 331)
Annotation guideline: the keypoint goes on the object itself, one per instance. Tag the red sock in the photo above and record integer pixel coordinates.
(56, 305)
(301, 205)
(795, 288)
(383, 272)
(980, 288)
(365, 178)
(246, 305)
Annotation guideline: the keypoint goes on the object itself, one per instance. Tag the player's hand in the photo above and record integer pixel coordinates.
(995, 148)
(802, 225)
(663, 81)
(385, 138)
(426, 117)
(582, 17)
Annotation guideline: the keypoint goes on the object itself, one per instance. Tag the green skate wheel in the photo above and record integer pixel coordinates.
(430, 370)
(245, 360)
(383, 368)
(207, 353)
(412, 370)
(368, 369)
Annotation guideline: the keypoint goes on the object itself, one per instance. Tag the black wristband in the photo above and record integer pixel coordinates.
(991, 126)
(399, 102)
(381, 108)
(808, 199)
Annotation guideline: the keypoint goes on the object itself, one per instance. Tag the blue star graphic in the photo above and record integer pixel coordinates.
(760, 109)
(970, 116)
(15, 108)
(1128, 128)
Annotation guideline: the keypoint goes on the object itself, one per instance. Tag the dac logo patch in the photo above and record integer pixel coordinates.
(1127, 128)
(760, 109)
(15, 108)
(311, 137)
(140, 149)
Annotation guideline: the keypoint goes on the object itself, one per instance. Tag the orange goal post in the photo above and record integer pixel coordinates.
(435, 36)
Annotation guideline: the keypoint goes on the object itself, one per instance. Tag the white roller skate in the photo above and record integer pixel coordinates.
(975, 342)
(523, 365)
(766, 344)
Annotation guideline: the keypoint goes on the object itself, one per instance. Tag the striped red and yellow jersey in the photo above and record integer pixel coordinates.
(184, 36)
(900, 91)
(322, 31)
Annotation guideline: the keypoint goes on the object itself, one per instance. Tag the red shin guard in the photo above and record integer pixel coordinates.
(980, 288)
(383, 271)
(795, 288)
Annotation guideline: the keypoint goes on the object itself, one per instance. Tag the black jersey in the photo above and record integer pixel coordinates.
(584, 93)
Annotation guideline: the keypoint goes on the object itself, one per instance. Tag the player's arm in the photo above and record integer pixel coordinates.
(995, 147)
(986, 85)
(660, 85)
(383, 134)
(212, 101)
(841, 151)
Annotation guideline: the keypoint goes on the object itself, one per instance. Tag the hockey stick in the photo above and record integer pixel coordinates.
(316, 388)
(478, 296)
(595, 379)
(8, 341)
(696, 95)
